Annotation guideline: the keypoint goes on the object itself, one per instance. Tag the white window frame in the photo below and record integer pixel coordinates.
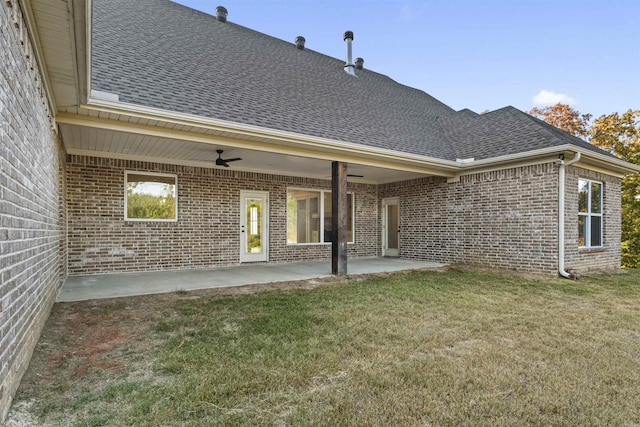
(588, 215)
(321, 211)
(126, 182)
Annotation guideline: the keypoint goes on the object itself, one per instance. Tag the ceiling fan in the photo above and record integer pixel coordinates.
(224, 162)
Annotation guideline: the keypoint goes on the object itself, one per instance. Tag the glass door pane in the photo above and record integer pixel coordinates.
(392, 226)
(253, 209)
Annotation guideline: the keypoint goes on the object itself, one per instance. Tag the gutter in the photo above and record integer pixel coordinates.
(561, 192)
(115, 106)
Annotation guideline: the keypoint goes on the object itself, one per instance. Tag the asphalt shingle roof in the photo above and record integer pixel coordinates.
(160, 54)
(504, 131)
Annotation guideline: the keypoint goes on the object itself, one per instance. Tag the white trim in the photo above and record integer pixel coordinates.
(126, 181)
(321, 213)
(599, 170)
(264, 255)
(389, 201)
(588, 215)
(544, 156)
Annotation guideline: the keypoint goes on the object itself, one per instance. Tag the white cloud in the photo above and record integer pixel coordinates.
(547, 98)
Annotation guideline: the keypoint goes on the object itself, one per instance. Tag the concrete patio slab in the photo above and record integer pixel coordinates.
(80, 288)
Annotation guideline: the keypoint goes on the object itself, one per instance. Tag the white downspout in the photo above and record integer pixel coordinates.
(561, 174)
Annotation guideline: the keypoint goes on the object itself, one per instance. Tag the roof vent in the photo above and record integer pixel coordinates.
(300, 42)
(221, 14)
(466, 161)
(359, 63)
(349, 67)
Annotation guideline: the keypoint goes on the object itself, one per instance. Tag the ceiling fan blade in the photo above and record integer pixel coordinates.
(355, 176)
(224, 164)
(232, 160)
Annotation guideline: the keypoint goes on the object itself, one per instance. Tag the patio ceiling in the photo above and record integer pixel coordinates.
(94, 131)
(85, 140)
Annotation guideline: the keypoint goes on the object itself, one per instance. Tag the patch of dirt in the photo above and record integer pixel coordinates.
(86, 344)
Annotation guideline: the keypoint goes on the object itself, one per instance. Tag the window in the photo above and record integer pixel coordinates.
(589, 213)
(150, 197)
(309, 216)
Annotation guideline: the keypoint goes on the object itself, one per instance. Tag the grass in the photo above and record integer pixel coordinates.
(419, 348)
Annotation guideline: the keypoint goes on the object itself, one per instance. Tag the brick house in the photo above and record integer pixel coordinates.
(114, 113)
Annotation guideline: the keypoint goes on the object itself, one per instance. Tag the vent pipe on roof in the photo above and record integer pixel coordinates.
(300, 42)
(359, 63)
(221, 14)
(349, 67)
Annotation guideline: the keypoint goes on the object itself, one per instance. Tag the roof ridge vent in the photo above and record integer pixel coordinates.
(300, 42)
(349, 66)
(359, 63)
(221, 14)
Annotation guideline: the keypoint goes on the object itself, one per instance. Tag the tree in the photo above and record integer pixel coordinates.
(620, 135)
(564, 117)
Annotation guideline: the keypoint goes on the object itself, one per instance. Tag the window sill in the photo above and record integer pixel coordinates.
(592, 250)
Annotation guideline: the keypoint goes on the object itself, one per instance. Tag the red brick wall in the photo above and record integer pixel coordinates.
(207, 231)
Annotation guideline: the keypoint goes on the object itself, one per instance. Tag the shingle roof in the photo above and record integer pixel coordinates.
(160, 54)
(504, 131)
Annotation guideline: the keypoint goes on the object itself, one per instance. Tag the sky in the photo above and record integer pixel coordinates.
(481, 55)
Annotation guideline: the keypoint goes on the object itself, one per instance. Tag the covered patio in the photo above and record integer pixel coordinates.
(81, 288)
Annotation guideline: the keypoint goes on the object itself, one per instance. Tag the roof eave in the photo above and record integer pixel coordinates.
(444, 167)
(613, 165)
(447, 168)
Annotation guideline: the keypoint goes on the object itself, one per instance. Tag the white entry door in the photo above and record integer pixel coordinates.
(391, 227)
(254, 226)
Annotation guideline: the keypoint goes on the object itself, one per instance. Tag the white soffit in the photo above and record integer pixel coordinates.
(56, 38)
(90, 141)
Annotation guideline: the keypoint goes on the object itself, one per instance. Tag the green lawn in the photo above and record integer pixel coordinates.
(419, 348)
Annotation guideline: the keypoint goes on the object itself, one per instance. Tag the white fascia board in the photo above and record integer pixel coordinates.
(620, 165)
(616, 165)
(257, 131)
(510, 158)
